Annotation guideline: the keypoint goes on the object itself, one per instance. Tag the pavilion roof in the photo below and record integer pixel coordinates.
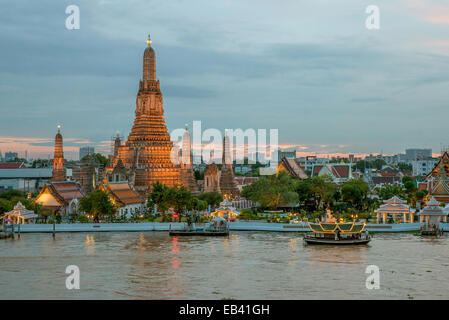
(333, 227)
(432, 209)
(395, 200)
(20, 210)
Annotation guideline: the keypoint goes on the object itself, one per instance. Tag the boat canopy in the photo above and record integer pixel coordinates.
(343, 228)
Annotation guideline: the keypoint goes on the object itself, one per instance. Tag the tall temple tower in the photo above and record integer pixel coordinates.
(58, 159)
(187, 175)
(148, 148)
(228, 185)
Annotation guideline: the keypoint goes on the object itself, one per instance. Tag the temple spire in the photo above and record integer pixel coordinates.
(58, 158)
(149, 62)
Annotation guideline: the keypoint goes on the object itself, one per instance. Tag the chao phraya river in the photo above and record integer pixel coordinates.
(247, 265)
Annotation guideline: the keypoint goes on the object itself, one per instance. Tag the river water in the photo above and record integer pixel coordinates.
(247, 265)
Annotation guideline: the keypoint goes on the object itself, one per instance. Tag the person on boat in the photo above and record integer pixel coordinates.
(337, 235)
(366, 234)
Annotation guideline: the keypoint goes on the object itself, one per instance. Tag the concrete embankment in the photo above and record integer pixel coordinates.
(233, 226)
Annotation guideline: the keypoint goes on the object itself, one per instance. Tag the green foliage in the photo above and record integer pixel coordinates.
(404, 167)
(323, 190)
(98, 204)
(178, 197)
(390, 190)
(5, 205)
(272, 191)
(212, 198)
(355, 191)
(97, 157)
(199, 175)
(12, 194)
(83, 219)
(199, 205)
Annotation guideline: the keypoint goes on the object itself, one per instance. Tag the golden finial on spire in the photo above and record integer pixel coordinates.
(149, 40)
(187, 126)
(59, 128)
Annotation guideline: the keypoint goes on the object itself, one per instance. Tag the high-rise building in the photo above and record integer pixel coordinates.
(418, 154)
(11, 156)
(58, 159)
(84, 151)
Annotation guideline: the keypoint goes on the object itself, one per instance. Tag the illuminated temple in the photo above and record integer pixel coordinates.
(437, 181)
(146, 153)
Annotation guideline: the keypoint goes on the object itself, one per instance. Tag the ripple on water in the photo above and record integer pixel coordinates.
(247, 265)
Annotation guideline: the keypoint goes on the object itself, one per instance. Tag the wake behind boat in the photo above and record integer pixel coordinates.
(337, 234)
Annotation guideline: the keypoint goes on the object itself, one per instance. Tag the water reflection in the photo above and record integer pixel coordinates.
(247, 265)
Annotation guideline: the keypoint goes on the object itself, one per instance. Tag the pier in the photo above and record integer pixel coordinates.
(173, 226)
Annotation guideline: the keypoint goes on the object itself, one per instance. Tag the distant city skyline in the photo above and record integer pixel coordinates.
(310, 69)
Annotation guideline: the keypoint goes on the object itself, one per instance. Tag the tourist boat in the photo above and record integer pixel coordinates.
(218, 227)
(337, 234)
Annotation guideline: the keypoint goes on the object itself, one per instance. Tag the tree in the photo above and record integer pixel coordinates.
(98, 204)
(199, 205)
(5, 206)
(323, 190)
(180, 198)
(355, 191)
(98, 157)
(272, 191)
(212, 198)
(405, 167)
(159, 196)
(390, 190)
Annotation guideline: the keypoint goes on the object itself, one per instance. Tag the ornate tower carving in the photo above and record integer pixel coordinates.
(58, 159)
(147, 150)
(187, 175)
(228, 185)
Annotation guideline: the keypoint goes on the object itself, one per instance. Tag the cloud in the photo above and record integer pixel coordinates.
(310, 69)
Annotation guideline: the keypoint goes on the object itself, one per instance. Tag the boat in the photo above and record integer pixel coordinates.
(218, 227)
(337, 234)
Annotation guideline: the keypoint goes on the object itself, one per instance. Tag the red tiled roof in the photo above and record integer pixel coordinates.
(124, 193)
(340, 171)
(317, 169)
(67, 190)
(11, 165)
(245, 180)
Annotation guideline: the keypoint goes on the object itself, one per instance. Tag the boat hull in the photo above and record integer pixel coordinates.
(336, 242)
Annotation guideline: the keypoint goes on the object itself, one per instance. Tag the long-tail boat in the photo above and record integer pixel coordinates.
(337, 233)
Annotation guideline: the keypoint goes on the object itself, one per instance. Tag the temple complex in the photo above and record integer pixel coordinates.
(186, 170)
(228, 185)
(222, 181)
(437, 181)
(58, 159)
(292, 167)
(148, 147)
(61, 197)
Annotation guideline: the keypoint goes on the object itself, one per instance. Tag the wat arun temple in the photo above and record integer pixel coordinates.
(146, 153)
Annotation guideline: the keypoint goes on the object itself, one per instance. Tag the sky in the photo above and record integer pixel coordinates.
(310, 69)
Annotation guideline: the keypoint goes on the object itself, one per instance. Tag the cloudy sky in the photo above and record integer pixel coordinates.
(309, 68)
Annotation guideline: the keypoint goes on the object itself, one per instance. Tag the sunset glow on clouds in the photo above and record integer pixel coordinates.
(308, 68)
